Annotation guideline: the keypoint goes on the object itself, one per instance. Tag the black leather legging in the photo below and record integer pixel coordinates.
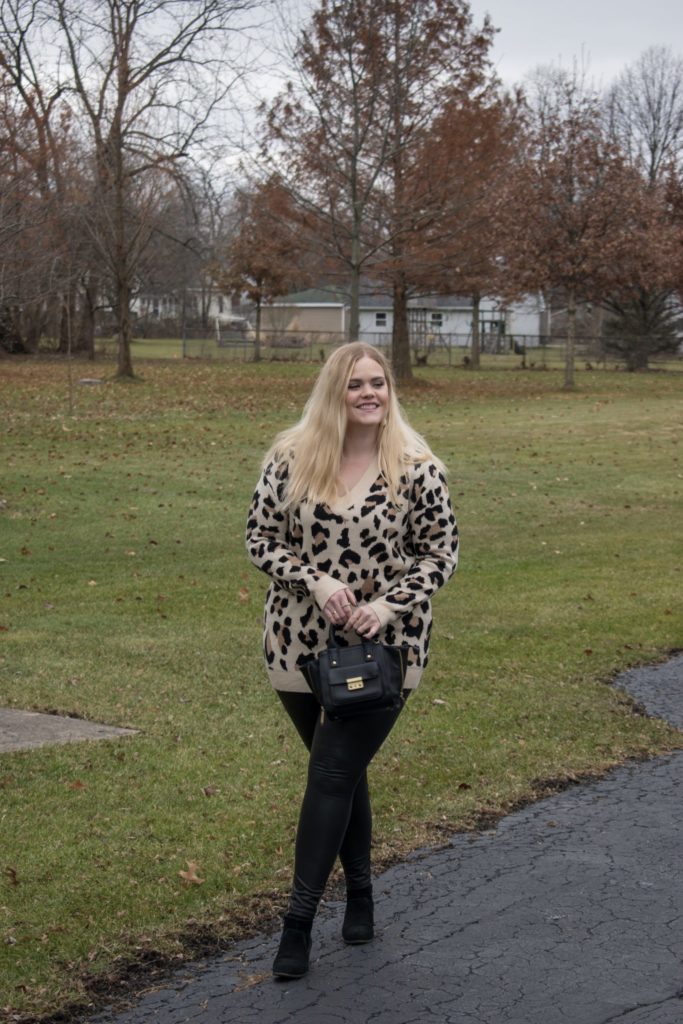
(335, 814)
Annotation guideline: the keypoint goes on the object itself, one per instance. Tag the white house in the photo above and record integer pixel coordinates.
(430, 318)
(198, 304)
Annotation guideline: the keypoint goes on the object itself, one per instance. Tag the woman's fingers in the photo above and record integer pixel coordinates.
(342, 610)
(364, 621)
(339, 607)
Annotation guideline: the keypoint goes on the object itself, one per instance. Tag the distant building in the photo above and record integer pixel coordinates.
(197, 303)
(430, 317)
(317, 310)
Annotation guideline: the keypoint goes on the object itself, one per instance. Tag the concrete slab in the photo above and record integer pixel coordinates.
(22, 730)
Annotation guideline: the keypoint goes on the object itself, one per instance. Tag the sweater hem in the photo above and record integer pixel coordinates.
(294, 682)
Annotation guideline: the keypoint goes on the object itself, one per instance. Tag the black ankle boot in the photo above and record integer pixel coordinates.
(295, 948)
(358, 923)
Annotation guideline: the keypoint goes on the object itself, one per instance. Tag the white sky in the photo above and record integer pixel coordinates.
(604, 35)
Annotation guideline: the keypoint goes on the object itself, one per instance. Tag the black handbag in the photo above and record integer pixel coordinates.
(357, 679)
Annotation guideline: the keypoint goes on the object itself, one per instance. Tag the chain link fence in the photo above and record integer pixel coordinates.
(236, 342)
(523, 350)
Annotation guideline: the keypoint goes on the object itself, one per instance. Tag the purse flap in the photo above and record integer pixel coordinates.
(353, 678)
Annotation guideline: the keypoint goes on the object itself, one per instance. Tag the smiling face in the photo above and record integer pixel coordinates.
(367, 394)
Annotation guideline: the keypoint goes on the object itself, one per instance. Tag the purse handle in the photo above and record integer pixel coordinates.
(333, 641)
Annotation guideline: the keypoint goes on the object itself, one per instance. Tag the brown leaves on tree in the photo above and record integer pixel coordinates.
(578, 220)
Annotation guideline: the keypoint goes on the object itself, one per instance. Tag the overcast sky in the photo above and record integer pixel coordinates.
(607, 34)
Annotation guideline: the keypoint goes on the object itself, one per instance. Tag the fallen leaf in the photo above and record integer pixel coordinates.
(209, 790)
(190, 877)
(243, 594)
(77, 785)
(250, 980)
(12, 876)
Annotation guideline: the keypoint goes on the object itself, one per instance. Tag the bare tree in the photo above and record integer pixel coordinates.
(145, 82)
(645, 111)
(37, 143)
(147, 77)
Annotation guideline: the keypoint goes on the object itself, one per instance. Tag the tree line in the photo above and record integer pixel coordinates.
(393, 158)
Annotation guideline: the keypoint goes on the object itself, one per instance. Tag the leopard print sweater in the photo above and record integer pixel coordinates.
(394, 557)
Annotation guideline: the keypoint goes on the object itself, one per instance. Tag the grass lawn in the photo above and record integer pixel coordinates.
(127, 598)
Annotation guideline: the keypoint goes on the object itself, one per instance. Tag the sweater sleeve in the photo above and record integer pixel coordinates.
(271, 547)
(434, 541)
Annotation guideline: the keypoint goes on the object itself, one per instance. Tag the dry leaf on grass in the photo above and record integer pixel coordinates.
(190, 877)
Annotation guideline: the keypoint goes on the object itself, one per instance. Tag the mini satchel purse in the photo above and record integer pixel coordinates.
(357, 679)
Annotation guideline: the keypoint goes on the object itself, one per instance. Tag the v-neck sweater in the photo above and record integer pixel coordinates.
(395, 557)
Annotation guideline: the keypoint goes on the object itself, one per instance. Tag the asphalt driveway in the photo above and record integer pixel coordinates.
(569, 912)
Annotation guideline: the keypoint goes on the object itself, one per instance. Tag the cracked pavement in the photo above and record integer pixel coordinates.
(569, 912)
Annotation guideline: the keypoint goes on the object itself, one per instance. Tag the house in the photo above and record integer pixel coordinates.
(315, 311)
(193, 304)
(432, 319)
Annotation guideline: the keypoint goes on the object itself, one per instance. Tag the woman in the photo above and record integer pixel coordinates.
(352, 521)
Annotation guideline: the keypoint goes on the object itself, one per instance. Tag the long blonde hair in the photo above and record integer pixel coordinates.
(312, 448)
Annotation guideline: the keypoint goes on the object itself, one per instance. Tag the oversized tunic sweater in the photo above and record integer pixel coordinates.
(393, 557)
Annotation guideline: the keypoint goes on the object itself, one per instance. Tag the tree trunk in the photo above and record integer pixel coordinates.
(122, 256)
(84, 340)
(11, 339)
(571, 342)
(597, 320)
(257, 337)
(400, 339)
(66, 321)
(354, 312)
(475, 361)
(637, 356)
(29, 325)
(124, 366)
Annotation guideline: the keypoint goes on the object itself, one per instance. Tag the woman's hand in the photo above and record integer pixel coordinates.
(339, 607)
(364, 621)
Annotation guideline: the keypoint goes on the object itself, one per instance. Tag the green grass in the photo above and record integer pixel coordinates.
(127, 598)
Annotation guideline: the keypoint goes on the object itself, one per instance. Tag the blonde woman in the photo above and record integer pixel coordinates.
(352, 522)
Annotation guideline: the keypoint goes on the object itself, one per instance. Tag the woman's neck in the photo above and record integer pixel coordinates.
(360, 444)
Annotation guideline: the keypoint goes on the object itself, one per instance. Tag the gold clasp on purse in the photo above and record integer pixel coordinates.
(355, 683)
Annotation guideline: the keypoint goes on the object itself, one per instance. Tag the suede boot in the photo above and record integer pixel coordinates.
(358, 926)
(295, 949)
